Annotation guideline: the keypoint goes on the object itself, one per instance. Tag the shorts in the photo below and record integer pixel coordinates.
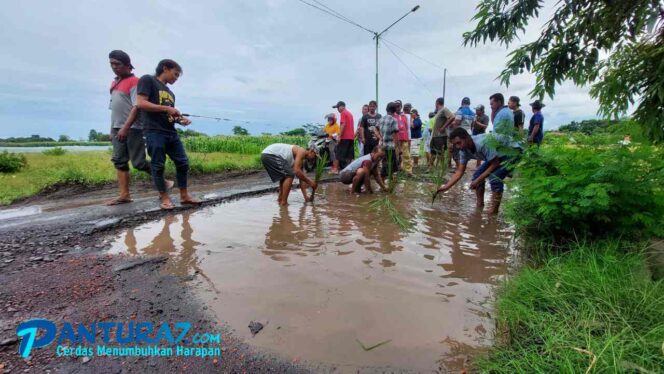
(438, 145)
(277, 167)
(345, 150)
(133, 148)
(346, 177)
(415, 147)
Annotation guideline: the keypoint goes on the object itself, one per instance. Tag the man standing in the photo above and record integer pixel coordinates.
(126, 131)
(479, 125)
(536, 127)
(283, 162)
(346, 147)
(360, 143)
(156, 103)
(333, 132)
(479, 147)
(368, 129)
(501, 116)
(519, 116)
(463, 118)
(358, 173)
(481, 121)
(415, 136)
(441, 121)
(389, 133)
(404, 139)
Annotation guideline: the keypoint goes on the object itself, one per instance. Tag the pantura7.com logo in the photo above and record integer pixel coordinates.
(132, 338)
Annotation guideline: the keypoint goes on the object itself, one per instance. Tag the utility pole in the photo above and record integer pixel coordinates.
(377, 36)
(444, 81)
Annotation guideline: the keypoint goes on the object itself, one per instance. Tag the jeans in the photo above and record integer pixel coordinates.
(496, 178)
(159, 145)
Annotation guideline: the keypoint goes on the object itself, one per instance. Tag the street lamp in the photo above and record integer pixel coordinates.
(377, 36)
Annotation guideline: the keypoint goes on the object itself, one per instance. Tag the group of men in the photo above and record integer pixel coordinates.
(143, 115)
(392, 140)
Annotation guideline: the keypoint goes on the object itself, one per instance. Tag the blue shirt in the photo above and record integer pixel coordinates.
(537, 118)
(416, 130)
(484, 150)
(465, 116)
(503, 122)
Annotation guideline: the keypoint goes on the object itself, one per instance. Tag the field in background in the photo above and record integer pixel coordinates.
(207, 155)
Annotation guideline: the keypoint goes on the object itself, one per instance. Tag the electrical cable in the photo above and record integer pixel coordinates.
(408, 68)
(339, 15)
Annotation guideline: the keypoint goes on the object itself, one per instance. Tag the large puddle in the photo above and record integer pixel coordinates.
(330, 277)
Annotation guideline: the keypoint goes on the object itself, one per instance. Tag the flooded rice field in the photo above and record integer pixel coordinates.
(332, 279)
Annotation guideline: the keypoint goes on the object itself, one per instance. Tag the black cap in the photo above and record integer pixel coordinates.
(537, 104)
(121, 56)
(340, 103)
(440, 100)
(516, 100)
(465, 101)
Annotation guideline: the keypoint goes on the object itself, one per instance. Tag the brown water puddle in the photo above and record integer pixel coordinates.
(328, 276)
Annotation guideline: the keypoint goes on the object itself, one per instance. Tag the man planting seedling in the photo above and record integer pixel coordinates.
(283, 162)
(358, 173)
(497, 157)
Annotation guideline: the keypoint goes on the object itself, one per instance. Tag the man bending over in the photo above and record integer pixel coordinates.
(283, 162)
(359, 172)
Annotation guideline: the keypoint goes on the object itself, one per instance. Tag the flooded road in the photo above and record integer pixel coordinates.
(329, 278)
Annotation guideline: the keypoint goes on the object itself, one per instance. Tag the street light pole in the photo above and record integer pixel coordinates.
(377, 36)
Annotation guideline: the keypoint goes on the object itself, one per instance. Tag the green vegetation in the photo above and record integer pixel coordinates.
(52, 144)
(95, 136)
(595, 308)
(568, 191)
(585, 300)
(11, 162)
(249, 145)
(94, 168)
(616, 47)
(57, 151)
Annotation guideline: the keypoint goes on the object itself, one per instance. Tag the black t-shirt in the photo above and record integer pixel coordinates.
(519, 118)
(157, 93)
(369, 123)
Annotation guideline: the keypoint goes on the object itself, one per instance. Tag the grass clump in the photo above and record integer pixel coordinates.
(57, 151)
(596, 307)
(12, 162)
(384, 205)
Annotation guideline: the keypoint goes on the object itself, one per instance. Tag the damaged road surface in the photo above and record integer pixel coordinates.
(325, 287)
(54, 266)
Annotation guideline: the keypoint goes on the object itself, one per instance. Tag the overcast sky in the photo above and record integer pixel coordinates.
(275, 63)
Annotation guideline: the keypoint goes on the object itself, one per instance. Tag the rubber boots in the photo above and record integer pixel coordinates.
(496, 197)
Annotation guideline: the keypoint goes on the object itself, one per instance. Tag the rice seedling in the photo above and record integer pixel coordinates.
(438, 176)
(320, 168)
(384, 206)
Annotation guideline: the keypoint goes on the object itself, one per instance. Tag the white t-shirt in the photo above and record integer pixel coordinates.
(284, 151)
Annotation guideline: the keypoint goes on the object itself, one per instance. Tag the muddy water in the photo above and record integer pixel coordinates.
(330, 277)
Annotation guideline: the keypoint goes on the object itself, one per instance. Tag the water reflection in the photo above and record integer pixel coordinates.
(340, 271)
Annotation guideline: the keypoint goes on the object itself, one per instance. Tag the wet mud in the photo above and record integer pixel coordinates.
(336, 284)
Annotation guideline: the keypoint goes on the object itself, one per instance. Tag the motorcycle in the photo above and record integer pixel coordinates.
(320, 142)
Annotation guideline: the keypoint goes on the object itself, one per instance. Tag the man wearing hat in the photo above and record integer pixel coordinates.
(479, 125)
(519, 116)
(126, 130)
(536, 127)
(346, 147)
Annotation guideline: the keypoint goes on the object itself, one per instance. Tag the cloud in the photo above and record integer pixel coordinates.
(277, 63)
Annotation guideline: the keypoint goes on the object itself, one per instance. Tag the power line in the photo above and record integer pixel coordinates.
(414, 54)
(409, 69)
(336, 14)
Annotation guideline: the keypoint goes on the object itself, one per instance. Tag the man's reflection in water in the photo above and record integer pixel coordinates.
(163, 243)
(187, 259)
(130, 242)
(284, 236)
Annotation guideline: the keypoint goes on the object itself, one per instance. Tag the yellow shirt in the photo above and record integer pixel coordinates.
(332, 129)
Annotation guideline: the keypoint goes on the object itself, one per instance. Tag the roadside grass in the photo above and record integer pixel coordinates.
(52, 144)
(593, 309)
(94, 168)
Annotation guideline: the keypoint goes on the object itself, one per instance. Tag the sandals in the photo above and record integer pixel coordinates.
(118, 201)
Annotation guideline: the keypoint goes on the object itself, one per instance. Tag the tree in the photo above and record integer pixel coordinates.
(92, 136)
(295, 132)
(64, 138)
(239, 130)
(572, 46)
